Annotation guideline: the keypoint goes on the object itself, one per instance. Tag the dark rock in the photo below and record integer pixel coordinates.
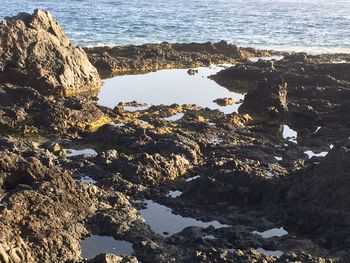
(304, 113)
(323, 193)
(269, 97)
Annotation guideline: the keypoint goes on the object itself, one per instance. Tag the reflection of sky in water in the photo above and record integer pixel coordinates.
(87, 179)
(276, 253)
(174, 194)
(95, 245)
(161, 219)
(274, 232)
(175, 117)
(74, 152)
(289, 134)
(167, 87)
(312, 154)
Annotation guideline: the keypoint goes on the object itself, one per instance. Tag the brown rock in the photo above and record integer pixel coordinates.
(224, 101)
(36, 52)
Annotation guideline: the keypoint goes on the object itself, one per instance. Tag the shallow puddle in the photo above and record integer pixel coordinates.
(276, 253)
(95, 245)
(289, 134)
(164, 222)
(256, 59)
(311, 154)
(76, 152)
(192, 178)
(175, 117)
(132, 108)
(174, 194)
(274, 232)
(87, 179)
(168, 87)
(144, 123)
(269, 174)
(120, 124)
(278, 158)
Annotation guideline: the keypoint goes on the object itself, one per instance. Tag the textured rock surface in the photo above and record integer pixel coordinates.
(331, 209)
(34, 51)
(24, 108)
(269, 97)
(151, 57)
(229, 168)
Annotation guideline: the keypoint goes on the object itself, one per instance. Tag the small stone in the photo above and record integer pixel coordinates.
(224, 101)
(192, 72)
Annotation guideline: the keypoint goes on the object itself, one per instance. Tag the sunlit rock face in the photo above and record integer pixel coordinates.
(35, 51)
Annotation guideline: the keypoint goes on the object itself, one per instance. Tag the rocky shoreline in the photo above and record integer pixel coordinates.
(225, 187)
(131, 59)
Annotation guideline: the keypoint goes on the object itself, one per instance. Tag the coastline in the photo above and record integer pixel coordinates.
(310, 50)
(130, 182)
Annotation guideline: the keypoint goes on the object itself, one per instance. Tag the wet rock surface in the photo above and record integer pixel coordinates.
(238, 187)
(36, 52)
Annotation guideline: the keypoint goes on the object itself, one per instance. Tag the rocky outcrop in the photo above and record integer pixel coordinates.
(269, 97)
(318, 90)
(323, 194)
(36, 52)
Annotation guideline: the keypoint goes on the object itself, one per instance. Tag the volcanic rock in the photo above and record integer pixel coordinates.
(224, 101)
(269, 97)
(36, 52)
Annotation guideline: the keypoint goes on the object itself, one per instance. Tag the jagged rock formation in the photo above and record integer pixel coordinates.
(35, 51)
(269, 97)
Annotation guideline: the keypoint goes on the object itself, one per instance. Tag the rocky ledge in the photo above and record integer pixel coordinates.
(226, 187)
(151, 57)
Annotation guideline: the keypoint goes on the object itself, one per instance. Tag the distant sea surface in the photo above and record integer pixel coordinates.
(316, 26)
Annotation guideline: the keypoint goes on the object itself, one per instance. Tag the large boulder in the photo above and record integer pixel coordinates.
(269, 97)
(317, 200)
(34, 51)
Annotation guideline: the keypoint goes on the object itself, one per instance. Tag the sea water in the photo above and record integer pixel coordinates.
(315, 26)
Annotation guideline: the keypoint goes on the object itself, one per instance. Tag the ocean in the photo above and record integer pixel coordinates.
(315, 26)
